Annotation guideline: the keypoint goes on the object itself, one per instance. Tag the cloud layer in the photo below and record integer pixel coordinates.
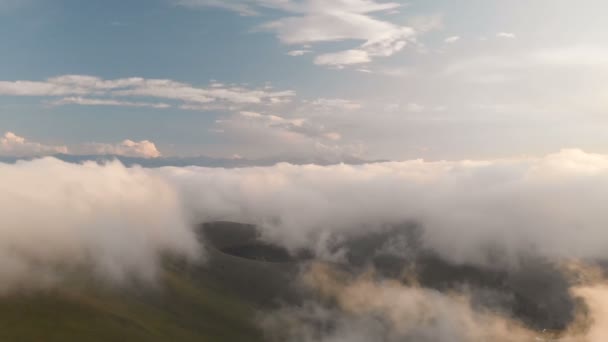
(476, 212)
(118, 222)
(113, 221)
(470, 211)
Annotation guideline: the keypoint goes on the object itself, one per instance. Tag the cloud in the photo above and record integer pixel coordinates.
(385, 310)
(426, 23)
(478, 212)
(452, 39)
(259, 135)
(507, 35)
(342, 58)
(106, 102)
(73, 87)
(127, 148)
(114, 222)
(297, 53)
(314, 21)
(589, 56)
(368, 308)
(118, 222)
(14, 145)
(415, 108)
(530, 68)
(241, 7)
(336, 104)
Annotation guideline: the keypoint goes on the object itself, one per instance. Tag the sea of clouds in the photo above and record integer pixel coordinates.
(119, 222)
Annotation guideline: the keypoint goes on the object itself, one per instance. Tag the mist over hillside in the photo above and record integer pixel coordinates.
(506, 250)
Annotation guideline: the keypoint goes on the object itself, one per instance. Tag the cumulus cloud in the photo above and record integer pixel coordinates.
(78, 89)
(14, 145)
(127, 148)
(113, 221)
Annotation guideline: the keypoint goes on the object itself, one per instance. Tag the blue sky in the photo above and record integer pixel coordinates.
(302, 78)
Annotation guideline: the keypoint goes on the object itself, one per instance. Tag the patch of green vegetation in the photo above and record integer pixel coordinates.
(186, 306)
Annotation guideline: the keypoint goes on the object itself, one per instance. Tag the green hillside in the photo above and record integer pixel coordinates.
(181, 309)
(214, 301)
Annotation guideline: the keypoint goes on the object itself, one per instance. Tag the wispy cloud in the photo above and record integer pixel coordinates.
(314, 21)
(507, 35)
(296, 53)
(74, 88)
(452, 39)
(106, 102)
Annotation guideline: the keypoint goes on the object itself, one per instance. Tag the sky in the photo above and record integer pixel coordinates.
(303, 79)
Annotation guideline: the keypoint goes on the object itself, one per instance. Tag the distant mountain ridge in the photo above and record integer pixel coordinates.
(202, 161)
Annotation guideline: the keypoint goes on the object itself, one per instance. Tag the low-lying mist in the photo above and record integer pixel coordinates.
(58, 217)
(470, 211)
(472, 239)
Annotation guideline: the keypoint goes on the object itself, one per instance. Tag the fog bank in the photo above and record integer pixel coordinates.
(469, 211)
(59, 217)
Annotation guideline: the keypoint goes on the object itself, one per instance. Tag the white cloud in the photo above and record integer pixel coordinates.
(241, 7)
(452, 39)
(342, 58)
(14, 145)
(415, 107)
(594, 56)
(470, 211)
(336, 104)
(297, 53)
(259, 135)
(106, 102)
(76, 86)
(335, 136)
(315, 21)
(507, 35)
(426, 23)
(495, 68)
(127, 148)
(114, 222)
(17, 146)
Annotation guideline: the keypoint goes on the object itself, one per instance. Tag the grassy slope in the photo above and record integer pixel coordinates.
(187, 308)
(215, 302)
